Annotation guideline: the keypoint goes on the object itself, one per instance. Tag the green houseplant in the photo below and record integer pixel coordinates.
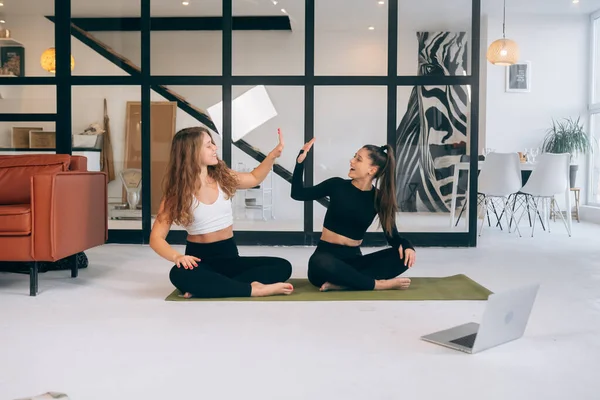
(568, 136)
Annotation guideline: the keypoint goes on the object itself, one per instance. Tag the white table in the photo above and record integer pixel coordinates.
(464, 166)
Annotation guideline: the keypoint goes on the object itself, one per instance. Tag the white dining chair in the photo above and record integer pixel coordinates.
(499, 178)
(549, 178)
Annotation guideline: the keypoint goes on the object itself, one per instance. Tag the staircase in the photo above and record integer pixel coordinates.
(128, 66)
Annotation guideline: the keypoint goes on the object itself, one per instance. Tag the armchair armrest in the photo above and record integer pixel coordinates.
(69, 213)
(78, 163)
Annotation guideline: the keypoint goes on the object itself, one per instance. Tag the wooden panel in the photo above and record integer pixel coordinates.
(162, 129)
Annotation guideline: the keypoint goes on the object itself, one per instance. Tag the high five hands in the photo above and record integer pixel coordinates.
(305, 150)
(276, 152)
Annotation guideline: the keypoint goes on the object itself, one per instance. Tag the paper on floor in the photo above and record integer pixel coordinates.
(47, 396)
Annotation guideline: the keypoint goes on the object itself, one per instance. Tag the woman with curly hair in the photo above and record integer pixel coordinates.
(198, 188)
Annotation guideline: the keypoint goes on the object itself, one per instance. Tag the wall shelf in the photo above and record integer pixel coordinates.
(5, 42)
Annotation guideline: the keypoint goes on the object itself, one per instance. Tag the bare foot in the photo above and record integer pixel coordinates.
(330, 286)
(261, 290)
(392, 284)
(187, 295)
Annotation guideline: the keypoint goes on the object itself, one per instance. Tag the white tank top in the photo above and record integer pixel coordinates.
(211, 217)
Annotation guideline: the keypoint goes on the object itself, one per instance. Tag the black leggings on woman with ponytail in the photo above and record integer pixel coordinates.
(350, 213)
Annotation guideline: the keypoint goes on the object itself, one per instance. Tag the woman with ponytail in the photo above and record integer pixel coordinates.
(338, 262)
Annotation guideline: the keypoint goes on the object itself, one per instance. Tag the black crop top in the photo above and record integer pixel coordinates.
(351, 211)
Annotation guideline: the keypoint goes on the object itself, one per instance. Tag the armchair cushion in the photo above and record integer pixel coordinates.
(15, 220)
(16, 173)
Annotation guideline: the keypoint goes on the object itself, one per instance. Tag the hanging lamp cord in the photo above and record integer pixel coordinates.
(504, 22)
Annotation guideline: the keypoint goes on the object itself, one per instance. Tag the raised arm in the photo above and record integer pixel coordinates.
(301, 193)
(247, 180)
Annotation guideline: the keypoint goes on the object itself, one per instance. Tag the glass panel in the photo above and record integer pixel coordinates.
(112, 143)
(350, 39)
(257, 113)
(596, 60)
(123, 46)
(25, 34)
(595, 162)
(27, 100)
(168, 116)
(272, 39)
(195, 48)
(432, 142)
(434, 37)
(338, 136)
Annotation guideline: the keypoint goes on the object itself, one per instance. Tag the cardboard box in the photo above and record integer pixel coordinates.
(42, 140)
(20, 136)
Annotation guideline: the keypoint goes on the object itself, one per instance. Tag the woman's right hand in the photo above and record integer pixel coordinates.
(305, 150)
(188, 262)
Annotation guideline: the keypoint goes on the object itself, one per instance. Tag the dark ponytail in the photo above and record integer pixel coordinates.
(385, 198)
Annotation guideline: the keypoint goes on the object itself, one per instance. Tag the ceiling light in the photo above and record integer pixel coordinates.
(371, 28)
(274, 2)
(2, 21)
(186, 3)
(1, 4)
(283, 11)
(575, 1)
(381, 2)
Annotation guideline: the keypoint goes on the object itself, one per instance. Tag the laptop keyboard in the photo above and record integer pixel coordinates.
(466, 341)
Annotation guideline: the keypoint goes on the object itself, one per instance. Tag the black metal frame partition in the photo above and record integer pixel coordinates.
(64, 82)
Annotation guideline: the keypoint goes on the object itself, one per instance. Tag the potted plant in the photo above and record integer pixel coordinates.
(568, 136)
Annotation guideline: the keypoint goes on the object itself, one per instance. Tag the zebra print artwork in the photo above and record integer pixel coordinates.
(432, 135)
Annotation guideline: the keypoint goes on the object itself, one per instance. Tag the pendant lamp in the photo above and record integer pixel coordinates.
(48, 60)
(503, 52)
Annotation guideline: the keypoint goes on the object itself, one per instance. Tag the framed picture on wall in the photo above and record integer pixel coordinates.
(12, 60)
(518, 77)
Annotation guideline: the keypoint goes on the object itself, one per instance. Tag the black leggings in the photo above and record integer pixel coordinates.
(346, 266)
(223, 273)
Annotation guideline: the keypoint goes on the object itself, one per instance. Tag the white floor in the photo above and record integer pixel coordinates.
(110, 335)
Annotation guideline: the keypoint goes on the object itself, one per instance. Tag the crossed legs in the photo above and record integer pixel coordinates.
(330, 269)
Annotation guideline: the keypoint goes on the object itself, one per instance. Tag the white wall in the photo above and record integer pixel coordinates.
(558, 48)
(344, 117)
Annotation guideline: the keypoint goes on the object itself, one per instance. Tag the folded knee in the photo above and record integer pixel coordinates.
(286, 268)
(281, 268)
(322, 261)
(177, 278)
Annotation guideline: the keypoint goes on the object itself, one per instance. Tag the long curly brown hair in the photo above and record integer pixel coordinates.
(182, 178)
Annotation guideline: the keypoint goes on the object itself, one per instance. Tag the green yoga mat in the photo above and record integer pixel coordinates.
(456, 287)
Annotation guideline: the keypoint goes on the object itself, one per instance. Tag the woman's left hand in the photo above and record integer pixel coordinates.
(276, 152)
(408, 256)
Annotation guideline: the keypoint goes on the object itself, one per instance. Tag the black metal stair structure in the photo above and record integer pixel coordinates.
(128, 66)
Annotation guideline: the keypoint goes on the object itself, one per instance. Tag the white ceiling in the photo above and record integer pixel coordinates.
(343, 12)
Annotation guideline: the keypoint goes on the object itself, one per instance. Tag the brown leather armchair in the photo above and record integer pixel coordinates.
(51, 208)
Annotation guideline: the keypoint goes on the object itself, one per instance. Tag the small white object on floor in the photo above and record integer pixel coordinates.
(47, 396)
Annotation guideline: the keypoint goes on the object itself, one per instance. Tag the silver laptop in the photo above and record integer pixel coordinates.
(504, 319)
